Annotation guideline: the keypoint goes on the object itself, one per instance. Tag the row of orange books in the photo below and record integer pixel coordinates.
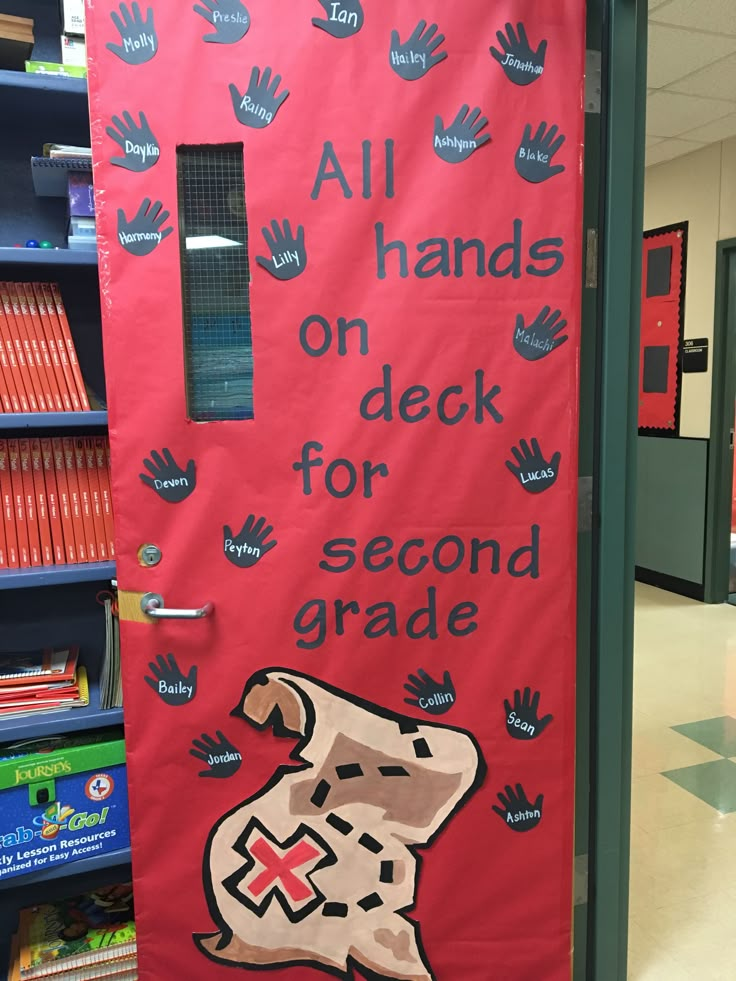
(39, 370)
(56, 501)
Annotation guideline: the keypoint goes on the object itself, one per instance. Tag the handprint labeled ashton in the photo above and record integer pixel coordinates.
(522, 719)
(534, 156)
(416, 56)
(245, 549)
(168, 681)
(260, 103)
(534, 473)
(462, 137)
(145, 230)
(516, 811)
(139, 42)
(344, 17)
(221, 757)
(229, 18)
(433, 697)
(520, 62)
(170, 482)
(288, 254)
(541, 336)
(140, 149)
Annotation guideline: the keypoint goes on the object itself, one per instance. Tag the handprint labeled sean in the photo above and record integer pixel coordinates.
(245, 549)
(516, 811)
(139, 146)
(416, 56)
(462, 137)
(229, 18)
(288, 254)
(139, 42)
(522, 719)
(169, 683)
(432, 696)
(534, 156)
(260, 103)
(518, 59)
(170, 482)
(221, 757)
(541, 336)
(344, 17)
(145, 230)
(534, 473)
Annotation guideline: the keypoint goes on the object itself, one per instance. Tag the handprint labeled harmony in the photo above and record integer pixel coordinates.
(260, 103)
(245, 549)
(541, 336)
(519, 61)
(140, 147)
(516, 811)
(415, 57)
(229, 18)
(462, 137)
(288, 254)
(534, 156)
(171, 685)
(532, 471)
(219, 754)
(170, 482)
(344, 17)
(138, 36)
(522, 720)
(432, 696)
(144, 231)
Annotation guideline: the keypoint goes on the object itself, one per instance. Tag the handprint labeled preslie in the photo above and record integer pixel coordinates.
(516, 811)
(344, 17)
(522, 719)
(416, 56)
(229, 18)
(541, 336)
(166, 477)
(534, 156)
(221, 757)
(260, 103)
(145, 230)
(518, 59)
(434, 697)
(168, 681)
(245, 549)
(534, 473)
(139, 146)
(288, 254)
(462, 137)
(139, 42)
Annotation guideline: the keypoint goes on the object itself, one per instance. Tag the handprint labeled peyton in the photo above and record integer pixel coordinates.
(169, 682)
(229, 18)
(221, 757)
(288, 254)
(145, 230)
(415, 57)
(139, 146)
(522, 719)
(139, 42)
(462, 137)
(516, 811)
(170, 482)
(534, 156)
(541, 336)
(245, 549)
(520, 62)
(432, 696)
(260, 103)
(534, 473)
(344, 17)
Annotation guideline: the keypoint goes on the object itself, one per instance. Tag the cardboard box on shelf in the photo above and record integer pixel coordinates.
(73, 50)
(72, 16)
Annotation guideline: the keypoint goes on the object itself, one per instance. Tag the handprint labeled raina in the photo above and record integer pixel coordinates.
(139, 42)
(171, 483)
(221, 757)
(145, 230)
(344, 17)
(245, 549)
(541, 336)
(229, 18)
(521, 64)
(416, 56)
(260, 103)
(169, 683)
(140, 149)
(288, 254)
(462, 137)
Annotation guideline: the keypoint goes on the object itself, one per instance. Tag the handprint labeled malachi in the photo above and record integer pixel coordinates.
(542, 336)
(167, 479)
(145, 230)
(343, 17)
(522, 718)
(170, 684)
(288, 255)
(258, 106)
(221, 757)
(520, 62)
(414, 57)
(245, 549)
(534, 473)
(535, 153)
(140, 149)
(138, 39)
(462, 137)
(516, 811)
(229, 18)
(433, 697)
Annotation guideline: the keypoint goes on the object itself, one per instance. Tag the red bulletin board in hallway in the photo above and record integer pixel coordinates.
(340, 256)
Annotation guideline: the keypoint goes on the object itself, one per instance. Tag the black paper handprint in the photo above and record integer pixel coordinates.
(432, 696)
(219, 754)
(229, 18)
(462, 137)
(522, 720)
(144, 231)
(344, 17)
(534, 156)
(138, 36)
(140, 147)
(288, 254)
(519, 61)
(260, 103)
(532, 471)
(245, 549)
(541, 336)
(516, 811)
(170, 482)
(415, 57)
(169, 683)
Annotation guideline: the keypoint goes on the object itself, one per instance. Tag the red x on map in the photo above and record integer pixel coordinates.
(281, 867)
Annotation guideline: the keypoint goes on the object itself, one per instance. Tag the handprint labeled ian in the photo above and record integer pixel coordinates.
(169, 682)
(139, 42)
(166, 477)
(288, 254)
(535, 153)
(541, 336)
(462, 137)
(245, 549)
(344, 17)
(522, 719)
(140, 149)
(434, 697)
(260, 103)
(416, 56)
(534, 473)
(520, 62)
(229, 18)
(221, 757)
(516, 811)
(145, 230)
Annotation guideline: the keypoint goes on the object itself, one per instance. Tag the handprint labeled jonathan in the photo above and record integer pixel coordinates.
(462, 137)
(288, 254)
(434, 697)
(414, 58)
(520, 62)
(145, 230)
(534, 473)
(535, 153)
(221, 757)
(245, 549)
(541, 336)
(138, 40)
(516, 811)
(260, 103)
(229, 18)
(344, 17)
(166, 477)
(522, 719)
(140, 149)
(169, 682)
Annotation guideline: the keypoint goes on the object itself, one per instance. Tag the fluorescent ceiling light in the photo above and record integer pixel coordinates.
(209, 242)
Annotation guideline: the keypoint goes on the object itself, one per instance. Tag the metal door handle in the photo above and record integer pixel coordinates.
(153, 606)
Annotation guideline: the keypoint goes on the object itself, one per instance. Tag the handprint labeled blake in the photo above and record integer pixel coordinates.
(288, 254)
(344, 17)
(139, 146)
(169, 683)
(541, 336)
(145, 230)
(139, 42)
(516, 811)
(432, 696)
(521, 64)
(522, 720)
(416, 56)
(260, 103)
(221, 757)
(534, 156)
(229, 18)
(170, 482)
(532, 471)
(462, 137)
(245, 549)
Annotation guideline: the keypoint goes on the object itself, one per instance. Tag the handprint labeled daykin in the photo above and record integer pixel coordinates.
(462, 137)
(522, 718)
(414, 58)
(245, 549)
(145, 230)
(139, 42)
(288, 254)
(221, 757)
(344, 17)
(171, 483)
(521, 63)
(535, 153)
(434, 697)
(139, 146)
(169, 683)
(260, 103)
(516, 811)
(229, 18)
(541, 336)
(534, 473)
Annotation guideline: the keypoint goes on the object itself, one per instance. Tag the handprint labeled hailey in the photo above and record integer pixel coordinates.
(516, 811)
(462, 137)
(170, 482)
(260, 103)
(138, 36)
(534, 156)
(288, 254)
(245, 549)
(522, 720)
(145, 230)
(432, 696)
(139, 146)
(519, 61)
(541, 336)
(169, 683)
(415, 57)
(344, 17)
(532, 471)
(229, 18)
(221, 757)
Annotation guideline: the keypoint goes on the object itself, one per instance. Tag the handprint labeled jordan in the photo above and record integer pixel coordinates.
(433, 697)
(288, 255)
(535, 153)
(260, 103)
(221, 757)
(344, 17)
(516, 811)
(145, 230)
(138, 40)
(520, 62)
(140, 149)
(522, 718)
(541, 337)
(534, 473)
(229, 18)
(245, 549)
(462, 137)
(413, 58)
(166, 477)
(169, 682)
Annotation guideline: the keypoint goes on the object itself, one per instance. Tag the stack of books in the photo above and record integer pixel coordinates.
(41, 681)
(82, 230)
(16, 41)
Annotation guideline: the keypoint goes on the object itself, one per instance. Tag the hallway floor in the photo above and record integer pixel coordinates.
(683, 820)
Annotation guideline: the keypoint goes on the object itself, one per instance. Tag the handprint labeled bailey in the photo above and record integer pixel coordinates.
(414, 58)
(516, 811)
(462, 137)
(166, 477)
(535, 153)
(245, 549)
(139, 42)
(145, 230)
(229, 18)
(169, 683)
(541, 336)
(534, 473)
(434, 697)
(522, 719)
(288, 254)
(138, 144)
(260, 103)
(521, 63)
(344, 17)
(221, 757)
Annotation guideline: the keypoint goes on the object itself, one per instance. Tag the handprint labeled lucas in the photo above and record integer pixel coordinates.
(171, 483)
(522, 719)
(344, 17)
(140, 149)
(416, 56)
(145, 230)
(168, 681)
(541, 336)
(516, 811)
(462, 137)
(260, 103)
(534, 156)
(434, 697)
(520, 62)
(221, 757)
(288, 254)
(229, 18)
(534, 473)
(245, 549)
(139, 42)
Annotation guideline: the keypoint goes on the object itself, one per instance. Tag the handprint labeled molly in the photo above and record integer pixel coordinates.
(541, 337)
(343, 17)
(245, 549)
(165, 476)
(535, 153)
(414, 57)
(516, 811)
(522, 718)
(221, 757)
(260, 103)
(433, 697)
(229, 18)
(534, 473)
(462, 137)
(145, 230)
(169, 682)
(288, 255)
(138, 40)
(140, 149)
(520, 62)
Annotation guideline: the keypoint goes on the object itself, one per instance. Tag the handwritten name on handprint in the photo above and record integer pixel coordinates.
(245, 549)
(138, 144)
(288, 255)
(145, 230)
(516, 811)
(229, 18)
(522, 718)
(434, 697)
(542, 336)
(462, 137)
(416, 56)
(258, 106)
(170, 684)
(221, 757)
(535, 153)
(165, 476)
(344, 17)
(139, 42)
(520, 62)
(534, 473)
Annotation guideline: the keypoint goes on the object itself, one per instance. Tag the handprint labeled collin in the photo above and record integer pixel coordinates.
(534, 473)
(416, 56)
(541, 336)
(170, 482)
(170, 684)
(344, 17)
(229, 18)
(258, 107)
(462, 137)
(534, 156)
(521, 64)
(145, 230)
(138, 35)
(432, 696)
(516, 811)
(288, 254)
(140, 147)
(221, 757)
(522, 720)
(245, 549)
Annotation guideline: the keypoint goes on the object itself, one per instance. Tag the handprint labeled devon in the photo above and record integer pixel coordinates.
(288, 254)
(168, 681)
(414, 57)
(139, 146)
(541, 336)
(165, 476)
(221, 757)
(260, 103)
(521, 63)
(344, 17)
(516, 811)
(145, 230)
(229, 18)
(139, 42)
(434, 697)
(245, 549)
(535, 153)
(522, 719)
(462, 137)
(534, 473)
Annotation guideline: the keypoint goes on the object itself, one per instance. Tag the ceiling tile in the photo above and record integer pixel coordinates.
(715, 16)
(669, 149)
(674, 52)
(670, 114)
(717, 81)
(721, 129)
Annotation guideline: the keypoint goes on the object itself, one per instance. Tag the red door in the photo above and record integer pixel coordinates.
(340, 264)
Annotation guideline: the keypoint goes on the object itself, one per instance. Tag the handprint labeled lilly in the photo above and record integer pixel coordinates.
(245, 549)
(288, 255)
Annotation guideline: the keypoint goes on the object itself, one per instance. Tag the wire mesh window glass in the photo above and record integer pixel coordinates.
(213, 244)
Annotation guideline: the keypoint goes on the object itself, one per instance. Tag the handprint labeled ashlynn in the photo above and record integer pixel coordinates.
(229, 18)
(535, 153)
(534, 473)
(139, 42)
(145, 230)
(139, 146)
(166, 477)
(344, 17)
(288, 255)
(516, 811)
(221, 757)
(245, 549)
(520, 62)
(169, 682)
(462, 137)
(522, 718)
(541, 336)
(260, 103)
(434, 697)
(416, 56)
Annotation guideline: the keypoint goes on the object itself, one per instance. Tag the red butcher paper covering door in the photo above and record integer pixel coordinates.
(340, 267)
